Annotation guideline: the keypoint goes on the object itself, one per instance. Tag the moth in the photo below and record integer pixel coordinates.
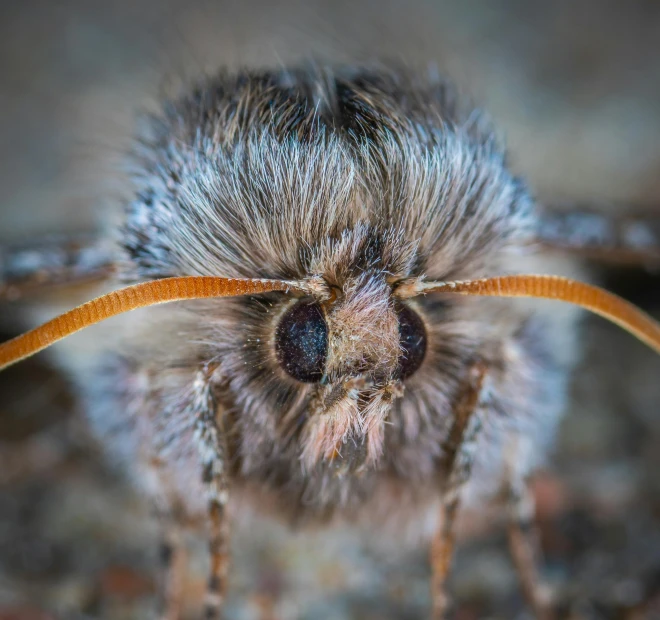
(346, 245)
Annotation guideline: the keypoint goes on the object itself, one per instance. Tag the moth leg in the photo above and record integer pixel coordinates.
(212, 449)
(524, 541)
(168, 419)
(173, 557)
(458, 464)
(174, 561)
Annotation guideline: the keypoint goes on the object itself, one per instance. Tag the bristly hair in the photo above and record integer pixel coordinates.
(360, 176)
(234, 171)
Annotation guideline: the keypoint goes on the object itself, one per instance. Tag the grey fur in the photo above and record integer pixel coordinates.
(362, 177)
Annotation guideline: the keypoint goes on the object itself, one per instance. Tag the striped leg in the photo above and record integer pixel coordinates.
(212, 452)
(173, 557)
(459, 451)
(524, 541)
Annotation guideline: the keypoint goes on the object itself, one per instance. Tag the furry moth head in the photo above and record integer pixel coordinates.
(337, 194)
(360, 177)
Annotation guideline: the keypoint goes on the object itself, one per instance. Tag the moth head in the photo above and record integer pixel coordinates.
(353, 390)
(357, 348)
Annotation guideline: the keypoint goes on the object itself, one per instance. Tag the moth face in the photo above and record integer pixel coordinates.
(357, 350)
(360, 179)
(321, 343)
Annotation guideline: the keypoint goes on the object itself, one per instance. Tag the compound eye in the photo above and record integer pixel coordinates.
(413, 341)
(301, 342)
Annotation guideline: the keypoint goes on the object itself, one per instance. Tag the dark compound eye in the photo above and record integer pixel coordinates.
(413, 341)
(301, 342)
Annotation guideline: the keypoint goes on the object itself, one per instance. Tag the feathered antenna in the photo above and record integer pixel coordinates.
(593, 298)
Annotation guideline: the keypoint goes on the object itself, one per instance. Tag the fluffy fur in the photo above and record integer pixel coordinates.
(362, 177)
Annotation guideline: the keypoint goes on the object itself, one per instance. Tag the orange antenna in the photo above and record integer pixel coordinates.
(593, 298)
(131, 298)
(597, 300)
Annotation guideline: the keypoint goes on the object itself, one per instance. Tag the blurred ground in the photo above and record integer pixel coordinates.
(575, 86)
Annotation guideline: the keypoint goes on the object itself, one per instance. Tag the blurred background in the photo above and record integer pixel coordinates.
(574, 87)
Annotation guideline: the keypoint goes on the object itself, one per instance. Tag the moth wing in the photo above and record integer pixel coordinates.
(629, 237)
(35, 266)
